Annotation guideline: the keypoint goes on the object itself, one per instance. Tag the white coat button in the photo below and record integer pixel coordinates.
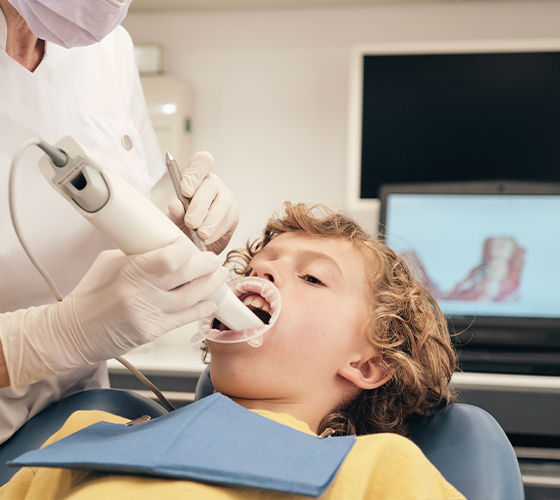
(127, 143)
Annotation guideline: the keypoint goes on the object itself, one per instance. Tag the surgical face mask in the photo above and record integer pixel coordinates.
(72, 23)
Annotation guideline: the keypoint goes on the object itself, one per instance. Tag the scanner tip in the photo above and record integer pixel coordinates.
(168, 157)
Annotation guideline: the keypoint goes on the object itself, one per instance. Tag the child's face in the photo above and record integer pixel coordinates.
(325, 296)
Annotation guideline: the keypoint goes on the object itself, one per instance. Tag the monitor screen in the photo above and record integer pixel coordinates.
(482, 255)
(444, 111)
(489, 253)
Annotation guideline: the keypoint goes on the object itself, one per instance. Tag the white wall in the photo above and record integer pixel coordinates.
(270, 87)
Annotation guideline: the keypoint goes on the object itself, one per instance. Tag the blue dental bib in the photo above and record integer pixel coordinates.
(213, 441)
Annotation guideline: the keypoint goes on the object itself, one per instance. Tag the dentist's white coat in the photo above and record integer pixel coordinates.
(94, 94)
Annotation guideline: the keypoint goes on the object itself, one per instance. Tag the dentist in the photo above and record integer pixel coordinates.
(68, 68)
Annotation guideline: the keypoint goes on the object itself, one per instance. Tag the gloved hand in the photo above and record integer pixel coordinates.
(212, 212)
(121, 303)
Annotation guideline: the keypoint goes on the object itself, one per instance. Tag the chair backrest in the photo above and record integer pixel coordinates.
(468, 446)
(464, 442)
(43, 425)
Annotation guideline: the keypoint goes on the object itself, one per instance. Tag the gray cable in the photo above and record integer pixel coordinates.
(140, 376)
(58, 157)
(11, 198)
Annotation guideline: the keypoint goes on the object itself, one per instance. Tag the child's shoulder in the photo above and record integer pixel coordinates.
(384, 439)
(81, 419)
(385, 445)
(395, 467)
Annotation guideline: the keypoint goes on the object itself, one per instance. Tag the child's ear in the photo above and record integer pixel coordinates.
(365, 373)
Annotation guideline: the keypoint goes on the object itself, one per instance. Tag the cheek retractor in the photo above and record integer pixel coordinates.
(211, 329)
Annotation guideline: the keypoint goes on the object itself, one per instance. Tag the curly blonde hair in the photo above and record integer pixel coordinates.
(405, 326)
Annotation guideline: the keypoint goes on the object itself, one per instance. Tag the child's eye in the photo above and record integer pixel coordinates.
(312, 279)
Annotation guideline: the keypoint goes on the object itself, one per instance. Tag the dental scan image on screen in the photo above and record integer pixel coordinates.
(485, 255)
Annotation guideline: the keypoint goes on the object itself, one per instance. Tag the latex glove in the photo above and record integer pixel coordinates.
(122, 302)
(212, 212)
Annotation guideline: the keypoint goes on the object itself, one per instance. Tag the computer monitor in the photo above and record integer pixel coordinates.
(453, 111)
(490, 254)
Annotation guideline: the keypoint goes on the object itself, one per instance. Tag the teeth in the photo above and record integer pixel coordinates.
(257, 302)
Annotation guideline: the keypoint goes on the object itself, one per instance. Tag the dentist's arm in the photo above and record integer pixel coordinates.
(122, 302)
(212, 212)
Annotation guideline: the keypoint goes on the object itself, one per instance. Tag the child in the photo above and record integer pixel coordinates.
(411, 360)
(360, 346)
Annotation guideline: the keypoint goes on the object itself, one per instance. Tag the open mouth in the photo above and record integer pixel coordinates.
(256, 303)
(261, 297)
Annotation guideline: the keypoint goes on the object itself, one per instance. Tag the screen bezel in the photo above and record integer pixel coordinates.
(487, 330)
(358, 52)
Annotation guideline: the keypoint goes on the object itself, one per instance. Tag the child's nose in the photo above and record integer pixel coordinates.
(267, 271)
(269, 277)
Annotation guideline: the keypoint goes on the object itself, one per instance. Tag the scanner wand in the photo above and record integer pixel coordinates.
(175, 175)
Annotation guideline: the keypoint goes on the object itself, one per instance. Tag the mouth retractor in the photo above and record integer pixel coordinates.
(212, 329)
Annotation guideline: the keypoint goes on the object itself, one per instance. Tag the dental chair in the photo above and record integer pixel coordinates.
(464, 442)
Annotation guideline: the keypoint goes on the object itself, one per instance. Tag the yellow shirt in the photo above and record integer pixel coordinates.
(379, 466)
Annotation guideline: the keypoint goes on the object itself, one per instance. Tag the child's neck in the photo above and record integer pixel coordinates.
(307, 412)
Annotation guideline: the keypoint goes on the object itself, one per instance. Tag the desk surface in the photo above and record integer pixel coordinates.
(507, 382)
